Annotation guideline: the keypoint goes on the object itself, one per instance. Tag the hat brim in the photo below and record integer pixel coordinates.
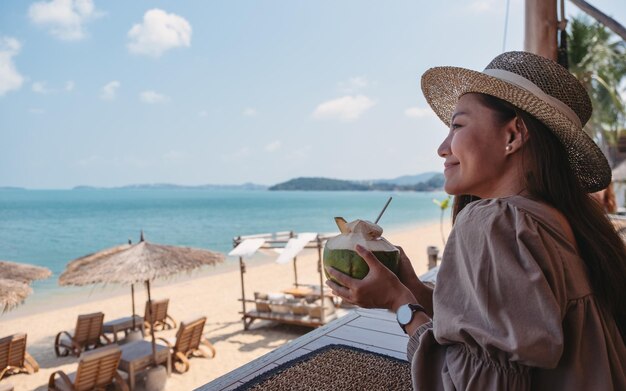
(443, 86)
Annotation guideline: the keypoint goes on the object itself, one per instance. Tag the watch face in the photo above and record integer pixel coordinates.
(404, 314)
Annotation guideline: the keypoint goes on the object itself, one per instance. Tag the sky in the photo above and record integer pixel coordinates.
(117, 92)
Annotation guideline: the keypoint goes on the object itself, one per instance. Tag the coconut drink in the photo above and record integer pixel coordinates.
(340, 253)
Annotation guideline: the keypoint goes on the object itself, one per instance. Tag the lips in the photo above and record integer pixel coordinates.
(449, 165)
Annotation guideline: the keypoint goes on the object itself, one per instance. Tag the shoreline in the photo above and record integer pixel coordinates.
(69, 296)
(214, 295)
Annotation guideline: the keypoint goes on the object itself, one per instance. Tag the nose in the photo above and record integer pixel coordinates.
(444, 147)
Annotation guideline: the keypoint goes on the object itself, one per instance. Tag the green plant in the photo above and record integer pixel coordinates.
(598, 59)
(443, 205)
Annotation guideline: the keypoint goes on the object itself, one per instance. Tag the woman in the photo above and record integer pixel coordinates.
(531, 288)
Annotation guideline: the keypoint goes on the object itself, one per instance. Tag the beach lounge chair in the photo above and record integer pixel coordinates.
(160, 318)
(96, 370)
(87, 335)
(13, 356)
(187, 343)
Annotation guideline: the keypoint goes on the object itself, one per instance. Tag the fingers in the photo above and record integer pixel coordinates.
(368, 256)
(340, 277)
(338, 290)
(403, 255)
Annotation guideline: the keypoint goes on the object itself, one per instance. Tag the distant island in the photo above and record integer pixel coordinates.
(429, 182)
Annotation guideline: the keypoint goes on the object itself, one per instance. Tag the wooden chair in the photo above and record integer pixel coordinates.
(97, 369)
(87, 335)
(13, 356)
(188, 341)
(160, 318)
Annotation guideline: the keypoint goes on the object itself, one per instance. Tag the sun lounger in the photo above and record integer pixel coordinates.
(96, 370)
(187, 343)
(160, 317)
(87, 335)
(13, 356)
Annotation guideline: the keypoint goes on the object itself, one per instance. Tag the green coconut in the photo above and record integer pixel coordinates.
(339, 251)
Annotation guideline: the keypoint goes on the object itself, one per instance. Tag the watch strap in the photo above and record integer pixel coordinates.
(414, 309)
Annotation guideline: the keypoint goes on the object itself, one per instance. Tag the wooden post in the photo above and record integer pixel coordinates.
(242, 270)
(433, 254)
(321, 271)
(540, 28)
(295, 264)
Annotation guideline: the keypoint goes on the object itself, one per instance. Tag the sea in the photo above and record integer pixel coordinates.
(52, 227)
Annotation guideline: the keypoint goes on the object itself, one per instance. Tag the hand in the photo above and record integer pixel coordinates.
(407, 276)
(406, 273)
(380, 288)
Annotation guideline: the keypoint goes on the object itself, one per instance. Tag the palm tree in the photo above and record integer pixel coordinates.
(598, 59)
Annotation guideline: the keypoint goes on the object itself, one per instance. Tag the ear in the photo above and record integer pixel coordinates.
(517, 135)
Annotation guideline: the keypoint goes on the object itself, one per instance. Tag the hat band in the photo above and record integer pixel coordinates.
(531, 87)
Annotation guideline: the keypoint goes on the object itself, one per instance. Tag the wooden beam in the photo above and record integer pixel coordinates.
(601, 17)
(540, 28)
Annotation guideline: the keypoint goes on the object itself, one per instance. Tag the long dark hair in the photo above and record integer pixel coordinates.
(549, 178)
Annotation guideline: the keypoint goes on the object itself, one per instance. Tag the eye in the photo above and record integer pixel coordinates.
(455, 126)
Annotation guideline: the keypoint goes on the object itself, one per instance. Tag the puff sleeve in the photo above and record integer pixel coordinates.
(497, 312)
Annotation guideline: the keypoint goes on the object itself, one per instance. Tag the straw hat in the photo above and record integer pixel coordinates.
(538, 86)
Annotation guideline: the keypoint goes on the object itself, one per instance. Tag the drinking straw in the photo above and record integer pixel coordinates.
(383, 211)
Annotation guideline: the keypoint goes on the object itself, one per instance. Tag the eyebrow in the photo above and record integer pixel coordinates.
(457, 114)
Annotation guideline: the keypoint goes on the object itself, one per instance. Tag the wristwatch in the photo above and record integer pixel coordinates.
(405, 314)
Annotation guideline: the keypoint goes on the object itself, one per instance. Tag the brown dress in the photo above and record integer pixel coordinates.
(514, 308)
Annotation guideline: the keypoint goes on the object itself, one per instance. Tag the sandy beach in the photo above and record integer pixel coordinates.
(212, 294)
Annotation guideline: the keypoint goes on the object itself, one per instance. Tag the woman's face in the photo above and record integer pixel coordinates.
(475, 151)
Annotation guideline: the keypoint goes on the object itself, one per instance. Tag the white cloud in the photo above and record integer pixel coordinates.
(40, 87)
(250, 112)
(109, 91)
(353, 84)
(36, 111)
(203, 113)
(273, 146)
(64, 18)
(158, 33)
(419, 112)
(152, 97)
(347, 108)
(10, 78)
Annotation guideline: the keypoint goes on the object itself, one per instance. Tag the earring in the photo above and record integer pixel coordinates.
(509, 148)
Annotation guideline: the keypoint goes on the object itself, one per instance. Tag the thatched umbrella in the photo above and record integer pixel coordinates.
(22, 272)
(133, 263)
(12, 293)
(14, 282)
